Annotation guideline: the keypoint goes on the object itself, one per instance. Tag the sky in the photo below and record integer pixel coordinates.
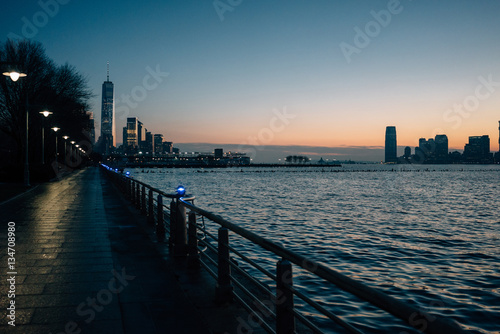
(318, 77)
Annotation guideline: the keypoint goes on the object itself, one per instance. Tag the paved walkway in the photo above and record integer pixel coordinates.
(84, 262)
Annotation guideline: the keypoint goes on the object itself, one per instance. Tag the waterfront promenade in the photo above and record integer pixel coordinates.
(85, 261)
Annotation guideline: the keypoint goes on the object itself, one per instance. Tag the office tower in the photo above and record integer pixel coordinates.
(441, 149)
(107, 116)
(421, 143)
(391, 147)
(158, 143)
(168, 147)
(141, 133)
(499, 136)
(148, 147)
(130, 134)
(478, 150)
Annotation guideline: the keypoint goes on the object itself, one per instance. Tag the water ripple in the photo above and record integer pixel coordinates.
(429, 235)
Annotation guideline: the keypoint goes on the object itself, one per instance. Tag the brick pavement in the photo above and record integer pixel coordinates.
(85, 265)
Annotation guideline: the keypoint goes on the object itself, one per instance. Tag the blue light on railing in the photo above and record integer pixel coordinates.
(127, 174)
(181, 191)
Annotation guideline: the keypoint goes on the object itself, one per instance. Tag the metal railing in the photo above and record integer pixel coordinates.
(270, 296)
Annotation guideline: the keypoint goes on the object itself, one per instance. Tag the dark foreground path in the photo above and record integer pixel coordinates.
(85, 265)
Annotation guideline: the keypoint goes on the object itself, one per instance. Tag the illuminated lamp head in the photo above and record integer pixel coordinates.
(181, 191)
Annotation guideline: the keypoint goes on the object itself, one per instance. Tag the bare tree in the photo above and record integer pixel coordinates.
(60, 89)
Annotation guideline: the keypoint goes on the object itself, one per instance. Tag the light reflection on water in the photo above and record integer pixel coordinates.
(429, 234)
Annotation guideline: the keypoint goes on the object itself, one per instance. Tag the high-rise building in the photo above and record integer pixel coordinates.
(391, 146)
(148, 147)
(130, 135)
(478, 150)
(141, 133)
(158, 143)
(108, 136)
(168, 147)
(441, 150)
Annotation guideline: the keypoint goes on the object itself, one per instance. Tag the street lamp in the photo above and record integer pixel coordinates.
(55, 128)
(45, 114)
(72, 149)
(14, 76)
(65, 140)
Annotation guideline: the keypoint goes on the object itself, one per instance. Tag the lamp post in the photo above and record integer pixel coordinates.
(14, 76)
(65, 140)
(55, 128)
(45, 114)
(72, 149)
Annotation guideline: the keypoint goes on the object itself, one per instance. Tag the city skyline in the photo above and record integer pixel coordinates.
(340, 71)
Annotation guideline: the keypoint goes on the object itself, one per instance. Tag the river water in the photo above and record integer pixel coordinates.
(427, 235)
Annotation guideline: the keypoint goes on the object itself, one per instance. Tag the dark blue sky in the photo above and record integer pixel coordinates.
(343, 70)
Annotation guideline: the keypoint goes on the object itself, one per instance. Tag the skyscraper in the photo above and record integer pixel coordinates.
(441, 152)
(391, 146)
(478, 150)
(108, 136)
(131, 135)
(158, 143)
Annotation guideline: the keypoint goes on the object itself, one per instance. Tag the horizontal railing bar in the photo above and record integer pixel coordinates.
(254, 297)
(254, 264)
(204, 230)
(254, 280)
(251, 311)
(209, 259)
(307, 322)
(381, 300)
(208, 269)
(324, 311)
(209, 246)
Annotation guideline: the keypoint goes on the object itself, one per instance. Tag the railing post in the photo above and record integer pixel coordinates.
(151, 218)
(173, 219)
(193, 255)
(285, 320)
(129, 188)
(131, 194)
(143, 200)
(160, 227)
(137, 195)
(224, 289)
(180, 231)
